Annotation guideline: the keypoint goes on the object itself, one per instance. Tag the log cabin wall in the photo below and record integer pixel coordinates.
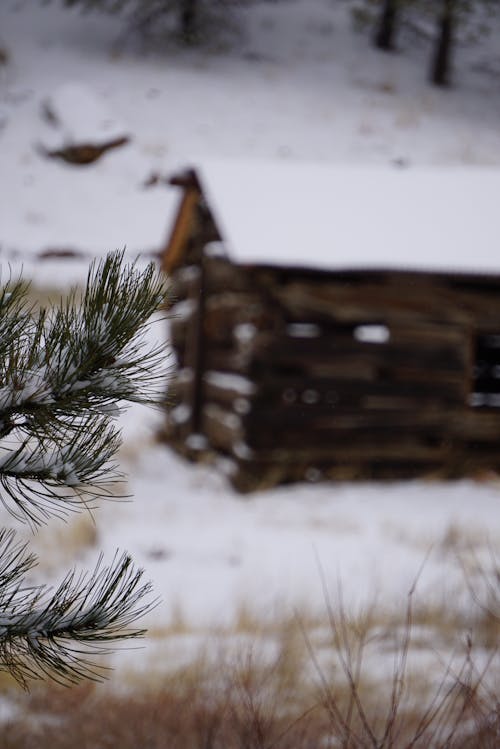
(309, 375)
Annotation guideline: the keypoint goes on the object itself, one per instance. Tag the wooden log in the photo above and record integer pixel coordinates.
(397, 332)
(232, 391)
(480, 300)
(227, 359)
(365, 368)
(275, 387)
(179, 384)
(180, 329)
(361, 443)
(184, 282)
(402, 450)
(226, 312)
(183, 229)
(468, 462)
(265, 469)
(341, 424)
(332, 435)
(222, 427)
(473, 424)
(347, 393)
(224, 275)
(274, 348)
(476, 295)
(426, 333)
(370, 302)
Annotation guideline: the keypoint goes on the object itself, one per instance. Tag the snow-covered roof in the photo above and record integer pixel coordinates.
(357, 217)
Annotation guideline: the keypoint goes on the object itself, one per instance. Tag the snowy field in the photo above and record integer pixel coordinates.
(298, 85)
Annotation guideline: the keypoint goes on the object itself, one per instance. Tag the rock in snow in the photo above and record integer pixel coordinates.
(83, 128)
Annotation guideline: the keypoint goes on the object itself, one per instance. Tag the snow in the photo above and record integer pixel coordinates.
(357, 217)
(298, 95)
(231, 382)
(268, 551)
(77, 115)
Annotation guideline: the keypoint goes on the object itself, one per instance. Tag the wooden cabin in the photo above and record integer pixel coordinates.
(336, 323)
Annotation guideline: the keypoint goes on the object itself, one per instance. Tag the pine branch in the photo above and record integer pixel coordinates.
(63, 377)
(59, 634)
(51, 474)
(16, 312)
(63, 374)
(89, 354)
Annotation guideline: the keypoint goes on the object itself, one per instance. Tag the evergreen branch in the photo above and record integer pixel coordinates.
(87, 354)
(60, 634)
(15, 312)
(62, 380)
(63, 373)
(53, 473)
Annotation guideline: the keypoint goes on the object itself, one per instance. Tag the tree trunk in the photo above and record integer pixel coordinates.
(188, 21)
(386, 28)
(441, 64)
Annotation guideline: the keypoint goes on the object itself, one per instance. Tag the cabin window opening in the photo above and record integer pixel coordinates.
(372, 333)
(486, 372)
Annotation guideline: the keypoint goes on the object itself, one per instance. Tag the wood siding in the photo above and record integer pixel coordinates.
(308, 375)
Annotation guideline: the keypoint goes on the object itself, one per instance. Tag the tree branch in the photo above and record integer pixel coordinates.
(59, 634)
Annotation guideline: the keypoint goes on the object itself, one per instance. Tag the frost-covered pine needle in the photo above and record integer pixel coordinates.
(65, 372)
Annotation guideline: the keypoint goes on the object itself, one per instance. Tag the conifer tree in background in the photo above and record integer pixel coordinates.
(64, 373)
(440, 73)
(145, 15)
(448, 17)
(472, 19)
(385, 31)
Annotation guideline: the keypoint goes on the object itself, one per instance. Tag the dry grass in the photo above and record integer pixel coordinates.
(347, 682)
(188, 710)
(249, 706)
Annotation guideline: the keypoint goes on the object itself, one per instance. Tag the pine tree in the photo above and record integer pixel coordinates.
(450, 17)
(440, 73)
(385, 32)
(64, 373)
(147, 16)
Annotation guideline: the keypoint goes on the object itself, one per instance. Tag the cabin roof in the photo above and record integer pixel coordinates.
(439, 219)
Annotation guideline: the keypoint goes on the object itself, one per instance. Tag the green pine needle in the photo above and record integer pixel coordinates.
(65, 372)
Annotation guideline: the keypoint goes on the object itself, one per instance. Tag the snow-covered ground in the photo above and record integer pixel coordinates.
(297, 85)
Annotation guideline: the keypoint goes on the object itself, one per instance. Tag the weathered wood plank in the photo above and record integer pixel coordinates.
(401, 450)
(222, 427)
(223, 276)
(353, 420)
(371, 302)
(180, 330)
(338, 442)
(228, 359)
(475, 422)
(339, 393)
(184, 282)
(312, 351)
(181, 230)
(225, 313)
(275, 387)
